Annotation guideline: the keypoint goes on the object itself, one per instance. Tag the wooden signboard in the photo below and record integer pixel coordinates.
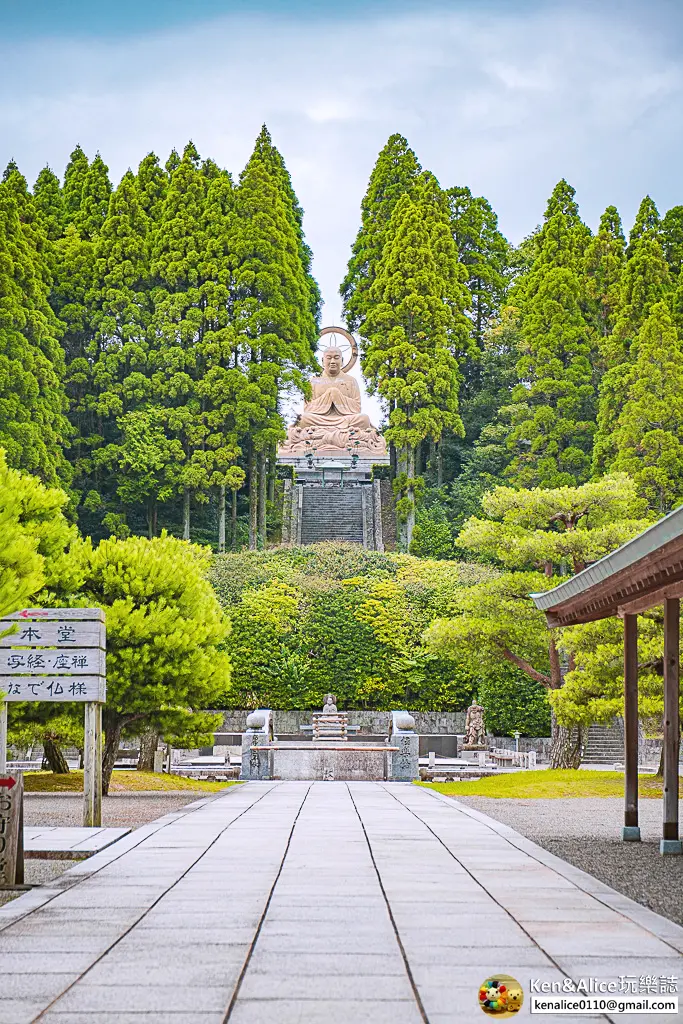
(58, 654)
(65, 636)
(11, 829)
(54, 688)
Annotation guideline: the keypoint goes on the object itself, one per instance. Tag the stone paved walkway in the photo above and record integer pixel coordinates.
(297, 903)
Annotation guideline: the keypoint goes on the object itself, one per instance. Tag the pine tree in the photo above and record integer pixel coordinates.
(152, 186)
(74, 178)
(415, 323)
(94, 199)
(645, 283)
(484, 251)
(671, 237)
(271, 310)
(552, 418)
(177, 249)
(395, 173)
(553, 422)
(272, 159)
(604, 261)
(33, 426)
(647, 225)
(648, 438)
(49, 202)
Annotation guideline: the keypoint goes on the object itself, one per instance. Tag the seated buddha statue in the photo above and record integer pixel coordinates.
(332, 420)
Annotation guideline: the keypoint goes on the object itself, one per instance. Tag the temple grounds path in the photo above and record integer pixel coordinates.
(322, 903)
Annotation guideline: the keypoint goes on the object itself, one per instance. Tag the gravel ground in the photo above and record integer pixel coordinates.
(65, 809)
(585, 832)
(117, 811)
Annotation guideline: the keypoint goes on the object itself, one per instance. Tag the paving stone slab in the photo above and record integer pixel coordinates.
(307, 885)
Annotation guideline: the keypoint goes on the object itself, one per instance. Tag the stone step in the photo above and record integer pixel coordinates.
(332, 513)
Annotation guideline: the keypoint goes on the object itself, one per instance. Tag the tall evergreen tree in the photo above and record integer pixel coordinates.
(604, 261)
(396, 172)
(272, 159)
(646, 225)
(671, 237)
(274, 322)
(178, 245)
(49, 203)
(94, 199)
(74, 179)
(552, 418)
(152, 186)
(484, 251)
(33, 425)
(648, 438)
(645, 283)
(415, 323)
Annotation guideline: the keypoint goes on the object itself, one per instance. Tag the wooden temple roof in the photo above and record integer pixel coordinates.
(639, 575)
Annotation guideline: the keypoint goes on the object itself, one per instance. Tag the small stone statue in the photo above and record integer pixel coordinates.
(329, 707)
(475, 730)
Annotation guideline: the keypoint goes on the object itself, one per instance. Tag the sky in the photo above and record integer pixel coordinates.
(506, 97)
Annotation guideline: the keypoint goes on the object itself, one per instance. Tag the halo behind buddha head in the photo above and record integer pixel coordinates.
(344, 342)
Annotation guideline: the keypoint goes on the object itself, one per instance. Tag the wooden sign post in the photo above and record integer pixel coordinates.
(58, 654)
(11, 829)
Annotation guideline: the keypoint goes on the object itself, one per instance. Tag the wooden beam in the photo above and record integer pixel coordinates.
(647, 601)
(631, 830)
(672, 610)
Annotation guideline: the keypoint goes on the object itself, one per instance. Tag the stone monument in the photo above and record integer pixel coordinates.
(475, 729)
(330, 725)
(332, 424)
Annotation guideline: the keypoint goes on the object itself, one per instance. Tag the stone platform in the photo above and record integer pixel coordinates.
(302, 903)
(324, 762)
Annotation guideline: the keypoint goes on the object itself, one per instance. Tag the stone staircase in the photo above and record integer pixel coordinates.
(604, 744)
(332, 513)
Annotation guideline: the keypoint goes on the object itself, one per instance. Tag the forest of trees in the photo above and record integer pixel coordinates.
(545, 365)
(150, 333)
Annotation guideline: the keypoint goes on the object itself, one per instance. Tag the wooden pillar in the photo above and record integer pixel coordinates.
(631, 830)
(670, 842)
(92, 766)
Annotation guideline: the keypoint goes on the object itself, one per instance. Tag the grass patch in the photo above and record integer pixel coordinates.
(122, 782)
(548, 784)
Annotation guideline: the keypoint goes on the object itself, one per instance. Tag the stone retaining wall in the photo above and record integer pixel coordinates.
(287, 723)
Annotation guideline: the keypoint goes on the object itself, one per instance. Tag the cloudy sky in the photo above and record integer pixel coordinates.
(506, 97)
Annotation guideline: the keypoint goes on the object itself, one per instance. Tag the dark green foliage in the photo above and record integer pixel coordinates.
(94, 199)
(484, 251)
(33, 426)
(647, 225)
(74, 179)
(395, 173)
(271, 158)
(152, 186)
(336, 618)
(49, 203)
(603, 268)
(514, 703)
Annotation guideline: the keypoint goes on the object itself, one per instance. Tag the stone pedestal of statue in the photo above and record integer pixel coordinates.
(330, 725)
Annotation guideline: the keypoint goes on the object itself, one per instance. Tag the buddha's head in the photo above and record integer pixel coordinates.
(332, 361)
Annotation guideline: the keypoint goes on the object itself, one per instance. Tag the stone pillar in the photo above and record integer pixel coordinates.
(297, 505)
(404, 762)
(256, 763)
(287, 513)
(366, 507)
(377, 514)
